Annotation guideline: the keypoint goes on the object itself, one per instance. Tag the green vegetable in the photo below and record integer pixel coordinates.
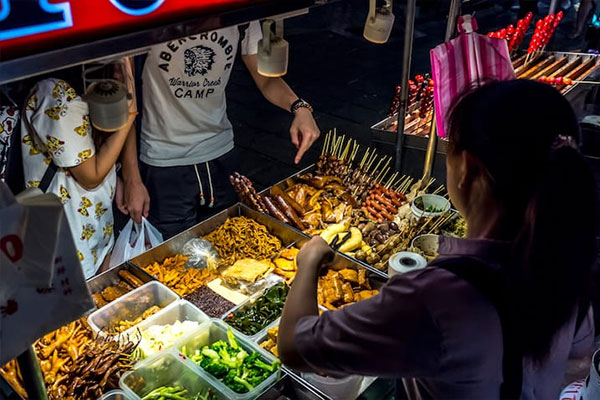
(430, 209)
(232, 365)
(262, 312)
(178, 393)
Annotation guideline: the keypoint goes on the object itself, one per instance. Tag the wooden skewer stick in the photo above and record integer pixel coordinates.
(394, 185)
(333, 144)
(379, 163)
(387, 163)
(382, 174)
(346, 151)
(409, 181)
(342, 146)
(438, 190)
(587, 82)
(355, 152)
(391, 180)
(325, 144)
(399, 183)
(338, 146)
(431, 180)
(400, 187)
(365, 156)
(373, 158)
(333, 141)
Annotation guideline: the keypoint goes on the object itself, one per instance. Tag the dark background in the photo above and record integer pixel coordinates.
(348, 80)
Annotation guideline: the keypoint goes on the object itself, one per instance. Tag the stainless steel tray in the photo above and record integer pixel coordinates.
(173, 246)
(383, 131)
(288, 182)
(289, 386)
(111, 277)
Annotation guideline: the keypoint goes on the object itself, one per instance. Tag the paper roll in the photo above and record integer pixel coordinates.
(405, 261)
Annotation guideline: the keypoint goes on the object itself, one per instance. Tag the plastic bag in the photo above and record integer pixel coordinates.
(42, 285)
(201, 254)
(463, 63)
(133, 240)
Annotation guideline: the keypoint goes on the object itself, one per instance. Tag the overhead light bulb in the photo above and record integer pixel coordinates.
(273, 50)
(379, 23)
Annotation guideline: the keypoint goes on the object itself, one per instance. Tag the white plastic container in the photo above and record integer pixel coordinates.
(430, 200)
(428, 243)
(165, 369)
(347, 388)
(180, 310)
(130, 306)
(213, 332)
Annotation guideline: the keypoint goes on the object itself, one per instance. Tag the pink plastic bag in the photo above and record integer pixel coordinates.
(463, 63)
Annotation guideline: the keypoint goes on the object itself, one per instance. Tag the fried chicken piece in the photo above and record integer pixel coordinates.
(349, 275)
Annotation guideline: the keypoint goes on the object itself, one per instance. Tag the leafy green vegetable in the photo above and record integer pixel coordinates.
(232, 365)
(266, 309)
(178, 393)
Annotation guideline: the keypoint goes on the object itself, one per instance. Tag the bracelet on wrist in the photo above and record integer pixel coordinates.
(300, 103)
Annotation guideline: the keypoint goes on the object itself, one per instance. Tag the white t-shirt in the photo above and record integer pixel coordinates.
(61, 132)
(185, 120)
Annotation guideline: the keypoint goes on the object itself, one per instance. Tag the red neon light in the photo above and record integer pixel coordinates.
(99, 19)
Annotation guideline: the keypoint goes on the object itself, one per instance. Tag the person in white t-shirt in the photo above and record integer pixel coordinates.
(186, 142)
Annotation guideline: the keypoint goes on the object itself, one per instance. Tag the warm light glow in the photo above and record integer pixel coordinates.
(374, 41)
(271, 75)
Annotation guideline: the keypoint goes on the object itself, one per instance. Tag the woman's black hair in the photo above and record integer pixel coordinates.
(525, 134)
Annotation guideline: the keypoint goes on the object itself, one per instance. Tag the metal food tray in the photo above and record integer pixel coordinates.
(111, 277)
(173, 246)
(288, 386)
(284, 184)
(382, 131)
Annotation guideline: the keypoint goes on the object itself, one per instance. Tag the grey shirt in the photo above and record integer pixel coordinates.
(436, 330)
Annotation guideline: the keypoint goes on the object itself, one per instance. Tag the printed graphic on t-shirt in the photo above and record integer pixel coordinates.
(203, 64)
(198, 60)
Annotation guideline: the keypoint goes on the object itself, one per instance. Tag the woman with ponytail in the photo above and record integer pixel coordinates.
(499, 314)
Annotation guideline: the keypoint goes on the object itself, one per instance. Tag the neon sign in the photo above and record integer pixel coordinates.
(32, 26)
(28, 17)
(137, 7)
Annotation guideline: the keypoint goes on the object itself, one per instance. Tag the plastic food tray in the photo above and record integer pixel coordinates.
(131, 305)
(114, 395)
(213, 332)
(242, 306)
(263, 336)
(164, 369)
(180, 310)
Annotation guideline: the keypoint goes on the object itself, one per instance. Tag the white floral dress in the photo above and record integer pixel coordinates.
(59, 129)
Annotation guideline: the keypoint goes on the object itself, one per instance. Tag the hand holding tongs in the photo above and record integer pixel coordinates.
(336, 243)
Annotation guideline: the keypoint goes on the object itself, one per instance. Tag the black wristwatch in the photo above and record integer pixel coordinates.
(300, 104)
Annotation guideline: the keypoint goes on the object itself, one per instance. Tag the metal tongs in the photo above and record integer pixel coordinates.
(336, 243)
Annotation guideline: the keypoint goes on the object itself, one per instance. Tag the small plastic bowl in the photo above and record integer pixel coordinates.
(345, 388)
(428, 243)
(114, 395)
(439, 203)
